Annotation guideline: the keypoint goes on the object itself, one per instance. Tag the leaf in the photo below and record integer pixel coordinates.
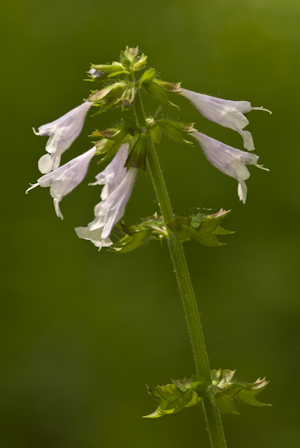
(223, 399)
(222, 392)
(172, 399)
(204, 228)
(176, 130)
(137, 156)
(180, 226)
(159, 92)
(147, 77)
(129, 243)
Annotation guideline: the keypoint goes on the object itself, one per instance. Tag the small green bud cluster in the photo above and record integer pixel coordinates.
(203, 228)
(123, 92)
(222, 391)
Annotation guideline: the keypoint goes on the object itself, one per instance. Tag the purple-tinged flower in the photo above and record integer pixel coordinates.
(224, 112)
(230, 160)
(64, 179)
(94, 73)
(117, 190)
(62, 133)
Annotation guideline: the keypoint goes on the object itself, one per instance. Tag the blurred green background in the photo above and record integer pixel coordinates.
(82, 332)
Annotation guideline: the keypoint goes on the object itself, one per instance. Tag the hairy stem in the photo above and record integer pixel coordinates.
(212, 414)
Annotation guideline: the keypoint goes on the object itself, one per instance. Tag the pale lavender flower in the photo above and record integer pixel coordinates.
(62, 132)
(64, 179)
(114, 173)
(111, 210)
(224, 112)
(230, 160)
(115, 195)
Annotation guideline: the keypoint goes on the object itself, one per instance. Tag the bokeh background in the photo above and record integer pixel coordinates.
(82, 332)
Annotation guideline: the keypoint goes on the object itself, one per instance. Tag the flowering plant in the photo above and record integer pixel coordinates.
(131, 147)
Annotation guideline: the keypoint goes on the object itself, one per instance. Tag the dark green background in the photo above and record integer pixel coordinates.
(83, 331)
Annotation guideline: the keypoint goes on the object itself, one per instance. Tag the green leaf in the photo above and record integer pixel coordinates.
(137, 156)
(121, 72)
(159, 92)
(222, 392)
(170, 87)
(141, 63)
(129, 243)
(109, 147)
(147, 77)
(180, 226)
(204, 228)
(107, 70)
(223, 399)
(220, 377)
(176, 130)
(199, 385)
(172, 398)
(249, 390)
(108, 97)
(155, 134)
(129, 57)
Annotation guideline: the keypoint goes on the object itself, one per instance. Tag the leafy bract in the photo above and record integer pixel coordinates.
(222, 391)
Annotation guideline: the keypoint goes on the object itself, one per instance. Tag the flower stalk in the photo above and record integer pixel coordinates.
(212, 414)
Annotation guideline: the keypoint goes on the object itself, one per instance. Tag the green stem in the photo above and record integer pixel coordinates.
(212, 414)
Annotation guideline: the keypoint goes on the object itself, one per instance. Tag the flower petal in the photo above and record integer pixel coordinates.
(111, 210)
(229, 160)
(114, 173)
(64, 179)
(62, 132)
(224, 112)
(95, 236)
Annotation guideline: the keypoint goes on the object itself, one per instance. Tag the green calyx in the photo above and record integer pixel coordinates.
(203, 228)
(131, 237)
(109, 96)
(122, 93)
(131, 60)
(137, 156)
(222, 391)
(177, 130)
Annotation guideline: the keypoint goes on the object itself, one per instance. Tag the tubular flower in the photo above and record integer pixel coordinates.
(114, 173)
(64, 179)
(230, 160)
(224, 112)
(62, 133)
(115, 195)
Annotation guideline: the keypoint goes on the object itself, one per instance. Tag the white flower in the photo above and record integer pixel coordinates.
(62, 132)
(115, 195)
(111, 210)
(224, 112)
(95, 236)
(230, 160)
(64, 179)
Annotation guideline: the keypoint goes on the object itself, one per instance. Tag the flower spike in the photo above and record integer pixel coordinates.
(62, 133)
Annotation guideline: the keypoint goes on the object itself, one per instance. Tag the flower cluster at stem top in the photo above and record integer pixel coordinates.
(127, 143)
